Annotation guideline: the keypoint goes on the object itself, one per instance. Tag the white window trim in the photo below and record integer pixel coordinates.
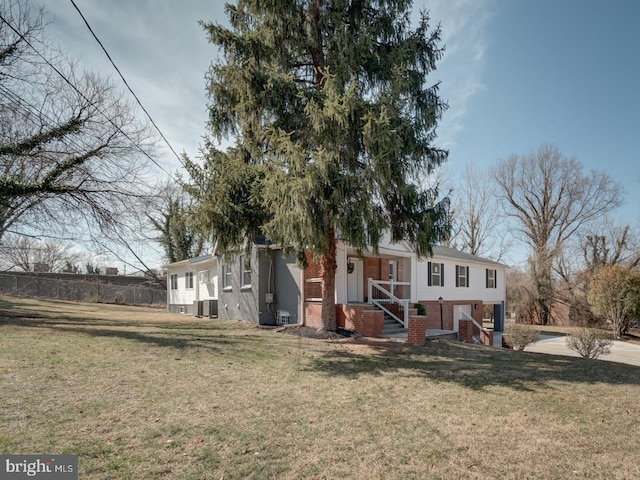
(187, 276)
(462, 273)
(492, 278)
(432, 275)
(227, 278)
(243, 272)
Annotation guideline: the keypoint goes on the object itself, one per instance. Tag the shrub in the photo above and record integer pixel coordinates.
(615, 294)
(421, 309)
(520, 335)
(589, 343)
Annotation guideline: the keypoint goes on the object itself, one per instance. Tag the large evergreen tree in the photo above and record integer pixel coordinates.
(334, 126)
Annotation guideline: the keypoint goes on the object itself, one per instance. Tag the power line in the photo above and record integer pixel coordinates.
(125, 82)
(55, 69)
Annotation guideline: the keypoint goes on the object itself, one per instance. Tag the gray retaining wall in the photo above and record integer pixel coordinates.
(84, 288)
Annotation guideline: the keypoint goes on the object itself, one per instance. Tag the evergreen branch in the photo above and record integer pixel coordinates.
(73, 125)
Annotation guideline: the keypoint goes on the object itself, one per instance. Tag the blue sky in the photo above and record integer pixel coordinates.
(516, 74)
(565, 72)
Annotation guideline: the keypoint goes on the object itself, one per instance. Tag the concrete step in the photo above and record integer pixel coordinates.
(393, 326)
(399, 329)
(442, 335)
(391, 321)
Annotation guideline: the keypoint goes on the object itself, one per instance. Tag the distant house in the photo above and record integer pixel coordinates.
(374, 294)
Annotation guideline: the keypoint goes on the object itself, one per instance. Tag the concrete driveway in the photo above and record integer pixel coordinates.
(622, 352)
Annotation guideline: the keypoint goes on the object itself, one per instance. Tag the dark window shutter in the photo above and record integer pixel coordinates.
(429, 274)
(495, 279)
(442, 274)
(486, 278)
(457, 276)
(468, 277)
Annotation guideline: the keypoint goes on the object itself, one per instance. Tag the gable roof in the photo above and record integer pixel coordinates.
(191, 261)
(446, 252)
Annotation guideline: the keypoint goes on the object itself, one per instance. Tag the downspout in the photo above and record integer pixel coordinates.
(301, 316)
(168, 275)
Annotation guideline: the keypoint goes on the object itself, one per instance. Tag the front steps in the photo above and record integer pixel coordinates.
(392, 327)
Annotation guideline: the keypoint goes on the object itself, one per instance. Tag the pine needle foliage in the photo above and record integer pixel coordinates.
(334, 123)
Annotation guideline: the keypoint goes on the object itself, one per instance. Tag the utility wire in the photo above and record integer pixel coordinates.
(125, 82)
(117, 127)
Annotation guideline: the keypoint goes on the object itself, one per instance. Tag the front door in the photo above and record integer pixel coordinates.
(355, 287)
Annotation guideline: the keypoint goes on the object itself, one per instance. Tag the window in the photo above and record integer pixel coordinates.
(226, 277)
(435, 274)
(491, 278)
(393, 271)
(174, 281)
(188, 280)
(462, 276)
(245, 271)
(204, 276)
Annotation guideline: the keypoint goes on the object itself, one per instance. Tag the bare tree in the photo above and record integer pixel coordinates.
(24, 253)
(521, 304)
(169, 216)
(609, 243)
(551, 199)
(477, 223)
(72, 151)
(603, 243)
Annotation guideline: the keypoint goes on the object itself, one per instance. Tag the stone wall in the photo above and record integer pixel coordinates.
(83, 288)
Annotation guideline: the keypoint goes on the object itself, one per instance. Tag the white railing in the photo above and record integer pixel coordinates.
(381, 294)
(465, 316)
(480, 327)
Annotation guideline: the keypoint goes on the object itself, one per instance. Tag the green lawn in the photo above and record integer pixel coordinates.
(144, 394)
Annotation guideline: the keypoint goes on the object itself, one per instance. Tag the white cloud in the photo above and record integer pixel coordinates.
(465, 35)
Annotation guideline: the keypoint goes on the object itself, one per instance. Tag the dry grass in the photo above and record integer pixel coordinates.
(633, 335)
(144, 394)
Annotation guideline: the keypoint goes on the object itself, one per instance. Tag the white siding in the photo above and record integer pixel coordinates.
(205, 282)
(208, 290)
(477, 282)
(182, 295)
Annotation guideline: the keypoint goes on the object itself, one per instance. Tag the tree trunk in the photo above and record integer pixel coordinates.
(541, 266)
(328, 271)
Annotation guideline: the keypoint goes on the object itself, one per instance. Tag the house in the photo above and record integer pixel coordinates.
(374, 294)
(242, 289)
(193, 281)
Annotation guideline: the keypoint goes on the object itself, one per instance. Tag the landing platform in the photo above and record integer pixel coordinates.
(432, 334)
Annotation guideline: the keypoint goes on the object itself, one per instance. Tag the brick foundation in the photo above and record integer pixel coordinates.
(433, 313)
(417, 330)
(486, 337)
(313, 314)
(362, 319)
(465, 334)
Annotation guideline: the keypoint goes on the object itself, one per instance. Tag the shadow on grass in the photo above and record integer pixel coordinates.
(472, 366)
(179, 334)
(213, 341)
